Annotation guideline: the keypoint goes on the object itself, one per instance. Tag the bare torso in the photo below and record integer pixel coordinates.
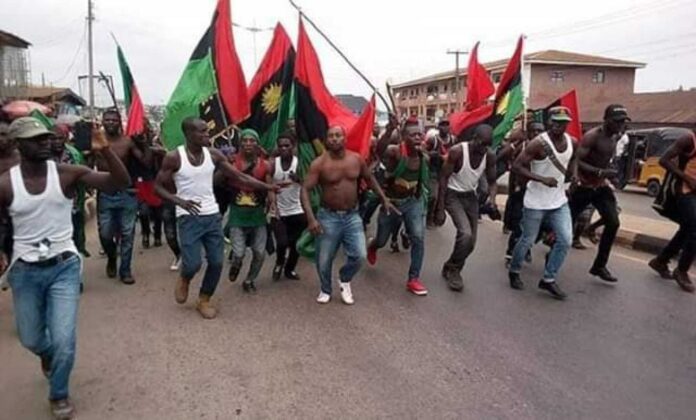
(338, 178)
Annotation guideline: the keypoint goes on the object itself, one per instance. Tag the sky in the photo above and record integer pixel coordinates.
(388, 40)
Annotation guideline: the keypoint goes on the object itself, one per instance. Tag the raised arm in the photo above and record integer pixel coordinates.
(385, 140)
(115, 179)
(235, 175)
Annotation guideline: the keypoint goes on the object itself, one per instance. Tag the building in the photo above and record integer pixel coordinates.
(14, 65)
(546, 75)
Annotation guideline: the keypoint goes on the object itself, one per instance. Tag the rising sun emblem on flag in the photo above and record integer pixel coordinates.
(271, 98)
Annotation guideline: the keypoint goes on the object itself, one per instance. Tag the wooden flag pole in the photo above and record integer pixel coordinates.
(352, 66)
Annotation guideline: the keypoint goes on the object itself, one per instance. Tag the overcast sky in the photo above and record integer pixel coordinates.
(387, 40)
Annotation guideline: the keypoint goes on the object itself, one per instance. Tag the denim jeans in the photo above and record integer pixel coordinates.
(45, 303)
(685, 238)
(117, 214)
(196, 232)
(560, 222)
(463, 208)
(339, 228)
(604, 200)
(253, 237)
(413, 214)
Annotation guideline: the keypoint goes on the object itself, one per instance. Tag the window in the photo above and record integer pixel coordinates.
(432, 89)
(557, 76)
(598, 77)
(497, 77)
(444, 87)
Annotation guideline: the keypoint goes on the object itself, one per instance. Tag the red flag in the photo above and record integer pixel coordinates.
(570, 101)
(230, 76)
(358, 139)
(317, 108)
(479, 86)
(134, 104)
(460, 121)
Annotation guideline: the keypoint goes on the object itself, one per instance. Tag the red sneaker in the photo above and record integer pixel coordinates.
(371, 255)
(416, 287)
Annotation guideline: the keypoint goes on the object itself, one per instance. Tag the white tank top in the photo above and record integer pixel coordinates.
(467, 179)
(42, 223)
(196, 183)
(288, 198)
(538, 195)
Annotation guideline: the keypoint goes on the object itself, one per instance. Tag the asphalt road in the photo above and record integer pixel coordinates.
(608, 352)
(636, 202)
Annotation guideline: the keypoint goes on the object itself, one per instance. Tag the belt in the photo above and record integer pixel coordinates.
(55, 260)
(340, 212)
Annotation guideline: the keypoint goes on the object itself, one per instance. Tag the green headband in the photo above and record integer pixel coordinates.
(249, 132)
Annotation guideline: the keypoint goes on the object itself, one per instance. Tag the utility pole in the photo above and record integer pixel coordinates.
(90, 46)
(456, 54)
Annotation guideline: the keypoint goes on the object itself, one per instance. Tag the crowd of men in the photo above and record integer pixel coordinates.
(412, 178)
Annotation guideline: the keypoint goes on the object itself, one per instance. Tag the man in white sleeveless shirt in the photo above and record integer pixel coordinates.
(186, 179)
(44, 272)
(545, 162)
(466, 163)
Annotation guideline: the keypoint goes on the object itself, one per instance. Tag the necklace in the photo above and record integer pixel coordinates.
(193, 159)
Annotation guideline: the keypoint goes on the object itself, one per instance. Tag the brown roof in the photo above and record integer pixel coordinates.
(50, 94)
(539, 57)
(675, 107)
(12, 40)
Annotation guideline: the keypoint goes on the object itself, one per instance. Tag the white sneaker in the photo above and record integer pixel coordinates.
(346, 293)
(323, 298)
(175, 264)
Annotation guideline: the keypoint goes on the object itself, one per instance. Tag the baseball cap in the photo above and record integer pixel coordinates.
(27, 128)
(443, 121)
(560, 113)
(616, 112)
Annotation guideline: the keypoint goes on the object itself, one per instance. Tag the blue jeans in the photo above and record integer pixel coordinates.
(413, 214)
(45, 303)
(255, 238)
(340, 228)
(117, 214)
(560, 221)
(196, 232)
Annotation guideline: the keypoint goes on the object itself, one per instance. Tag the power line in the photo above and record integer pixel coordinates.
(74, 59)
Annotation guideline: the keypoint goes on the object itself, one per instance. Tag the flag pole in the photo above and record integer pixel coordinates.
(352, 66)
(524, 96)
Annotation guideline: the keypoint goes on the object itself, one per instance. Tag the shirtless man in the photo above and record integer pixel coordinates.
(117, 212)
(594, 156)
(338, 222)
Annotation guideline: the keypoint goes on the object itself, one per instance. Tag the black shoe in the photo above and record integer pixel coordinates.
(158, 242)
(394, 246)
(85, 253)
(553, 289)
(291, 275)
(577, 244)
(515, 281)
(128, 280)
(276, 272)
(455, 281)
(603, 274)
(111, 268)
(234, 272)
(249, 286)
(146, 242)
(46, 366)
(661, 268)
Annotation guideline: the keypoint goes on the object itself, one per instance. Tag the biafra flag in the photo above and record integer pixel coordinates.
(317, 108)
(134, 104)
(509, 98)
(570, 101)
(212, 85)
(271, 90)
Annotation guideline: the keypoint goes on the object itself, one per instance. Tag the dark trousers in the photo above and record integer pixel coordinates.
(685, 238)
(287, 230)
(604, 201)
(169, 222)
(513, 218)
(463, 208)
(78, 222)
(150, 220)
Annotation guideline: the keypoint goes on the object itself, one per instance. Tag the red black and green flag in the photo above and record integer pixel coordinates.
(271, 90)
(134, 104)
(509, 98)
(317, 108)
(570, 101)
(212, 85)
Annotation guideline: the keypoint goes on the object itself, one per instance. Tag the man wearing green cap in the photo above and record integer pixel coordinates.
(44, 271)
(597, 148)
(545, 162)
(247, 216)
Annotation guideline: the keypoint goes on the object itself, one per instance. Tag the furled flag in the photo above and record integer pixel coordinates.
(134, 104)
(509, 98)
(212, 86)
(271, 90)
(570, 101)
(317, 108)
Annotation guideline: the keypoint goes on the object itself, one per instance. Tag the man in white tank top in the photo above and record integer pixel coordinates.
(466, 163)
(44, 272)
(186, 179)
(545, 162)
